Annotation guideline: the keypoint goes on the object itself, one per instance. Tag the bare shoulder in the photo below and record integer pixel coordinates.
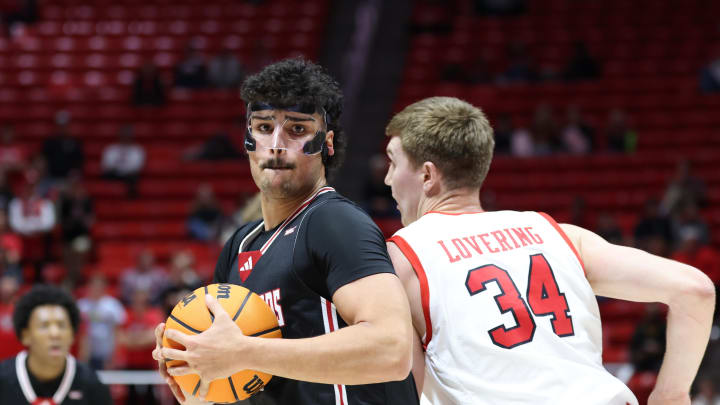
(403, 268)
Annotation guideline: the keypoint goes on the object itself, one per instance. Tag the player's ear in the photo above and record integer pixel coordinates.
(329, 138)
(431, 179)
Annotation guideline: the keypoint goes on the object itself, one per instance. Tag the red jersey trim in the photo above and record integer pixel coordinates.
(422, 278)
(454, 213)
(565, 237)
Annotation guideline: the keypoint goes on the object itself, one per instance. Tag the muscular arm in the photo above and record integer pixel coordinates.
(376, 347)
(410, 282)
(631, 274)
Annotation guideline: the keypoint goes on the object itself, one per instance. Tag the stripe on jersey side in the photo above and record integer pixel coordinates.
(565, 237)
(422, 279)
(331, 324)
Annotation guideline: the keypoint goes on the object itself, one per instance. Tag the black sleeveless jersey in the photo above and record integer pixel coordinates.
(296, 268)
(85, 388)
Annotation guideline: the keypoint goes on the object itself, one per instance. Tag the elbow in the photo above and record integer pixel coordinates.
(398, 358)
(700, 289)
(706, 289)
(399, 365)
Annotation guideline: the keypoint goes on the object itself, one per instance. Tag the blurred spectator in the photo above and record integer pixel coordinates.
(182, 271)
(608, 229)
(218, 147)
(191, 72)
(500, 7)
(137, 337)
(43, 183)
(225, 70)
(692, 251)
(577, 136)
(76, 219)
(33, 217)
(521, 68)
(103, 315)
(145, 276)
(16, 12)
(545, 132)
(205, 215)
(172, 296)
(6, 194)
(620, 137)
(376, 194)
(647, 345)
(124, 160)
(653, 232)
(684, 187)
(11, 248)
(9, 343)
(248, 210)
(503, 132)
(522, 143)
(148, 87)
(582, 65)
(13, 157)
(707, 391)
(63, 153)
(710, 77)
(688, 220)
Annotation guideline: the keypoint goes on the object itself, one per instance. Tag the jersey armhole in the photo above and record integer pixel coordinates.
(565, 237)
(417, 267)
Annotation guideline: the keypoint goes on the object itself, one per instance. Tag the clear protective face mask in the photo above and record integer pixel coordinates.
(289, 128)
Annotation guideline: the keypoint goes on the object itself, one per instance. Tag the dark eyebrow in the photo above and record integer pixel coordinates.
(262, 117)
(299, 119)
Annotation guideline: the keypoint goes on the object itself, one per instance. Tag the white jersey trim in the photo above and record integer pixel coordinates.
(330, 321)
(26, 386)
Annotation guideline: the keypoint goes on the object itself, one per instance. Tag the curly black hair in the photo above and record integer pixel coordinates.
(43, 295)
(297, 81)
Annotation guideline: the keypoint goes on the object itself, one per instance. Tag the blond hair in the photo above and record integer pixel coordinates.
(452, 134)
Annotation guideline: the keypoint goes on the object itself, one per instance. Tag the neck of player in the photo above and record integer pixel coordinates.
(46, 369)
(453, 201)
(276, 210)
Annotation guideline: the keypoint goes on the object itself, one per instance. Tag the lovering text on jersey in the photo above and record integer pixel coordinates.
(502, 240)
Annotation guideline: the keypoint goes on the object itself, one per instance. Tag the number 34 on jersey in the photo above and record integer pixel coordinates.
(543, 298)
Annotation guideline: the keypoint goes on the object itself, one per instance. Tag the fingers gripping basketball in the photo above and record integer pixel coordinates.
(249, 312)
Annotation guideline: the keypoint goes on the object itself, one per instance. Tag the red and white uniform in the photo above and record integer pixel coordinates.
(510, 316)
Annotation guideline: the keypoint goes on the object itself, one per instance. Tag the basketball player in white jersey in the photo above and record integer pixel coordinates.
(503, 303)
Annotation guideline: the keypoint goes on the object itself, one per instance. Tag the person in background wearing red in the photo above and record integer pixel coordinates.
(9, 343)
(11, 247)
(137, 337)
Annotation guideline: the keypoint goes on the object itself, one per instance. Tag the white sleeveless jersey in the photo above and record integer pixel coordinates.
(510, 316)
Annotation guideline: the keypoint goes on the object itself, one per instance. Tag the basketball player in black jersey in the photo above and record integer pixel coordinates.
(315, 257)
(46, 320)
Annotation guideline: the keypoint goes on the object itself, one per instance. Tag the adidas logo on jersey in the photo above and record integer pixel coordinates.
(246, 263)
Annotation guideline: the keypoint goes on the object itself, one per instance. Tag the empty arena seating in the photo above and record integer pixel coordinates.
(81, 56)
(651, 54)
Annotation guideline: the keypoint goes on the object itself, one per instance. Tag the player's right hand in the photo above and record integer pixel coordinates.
(174, 387)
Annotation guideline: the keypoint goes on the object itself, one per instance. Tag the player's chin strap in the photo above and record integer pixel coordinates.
(29, 392)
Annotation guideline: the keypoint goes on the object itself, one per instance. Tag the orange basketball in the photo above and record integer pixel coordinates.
(250, 313)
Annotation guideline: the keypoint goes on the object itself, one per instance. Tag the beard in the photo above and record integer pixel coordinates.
(268, 184)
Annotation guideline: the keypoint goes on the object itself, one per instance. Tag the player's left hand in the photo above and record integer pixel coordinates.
(208, 354)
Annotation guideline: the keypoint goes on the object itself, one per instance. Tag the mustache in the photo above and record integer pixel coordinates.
(277, 164)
